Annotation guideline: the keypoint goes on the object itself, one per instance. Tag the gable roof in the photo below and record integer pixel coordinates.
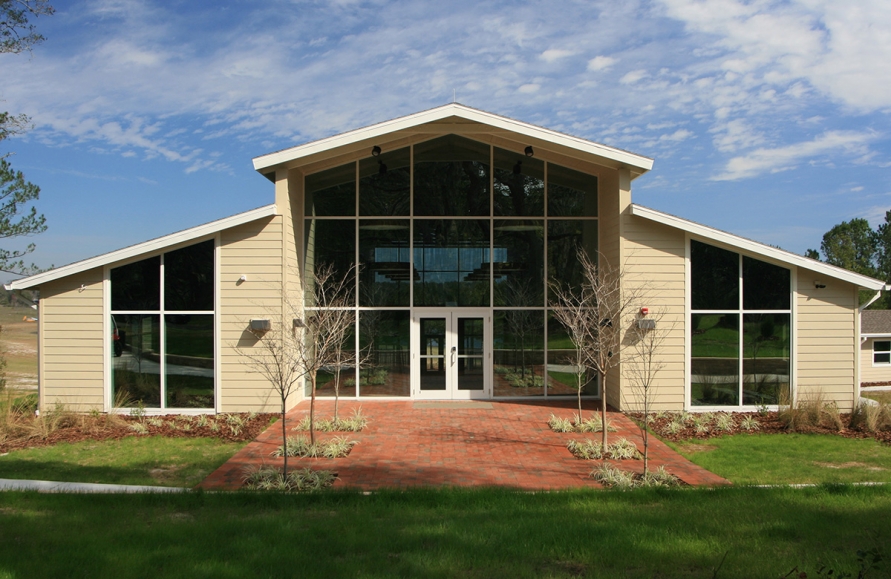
(757, 248)
(875, 323)
(637, 163)
(150, 246)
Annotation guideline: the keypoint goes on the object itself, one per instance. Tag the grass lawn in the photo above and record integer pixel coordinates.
(481, 533)
(160, 461)
(791, 458)
(883, 396)
(18, 341)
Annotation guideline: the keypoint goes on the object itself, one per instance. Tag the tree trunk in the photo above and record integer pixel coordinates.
(312, 408)
(284, 440)
(336, 389)
(603, 409)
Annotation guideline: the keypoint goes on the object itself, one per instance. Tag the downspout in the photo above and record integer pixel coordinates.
(861, 340)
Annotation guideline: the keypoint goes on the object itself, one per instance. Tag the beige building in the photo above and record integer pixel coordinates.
(459, 219)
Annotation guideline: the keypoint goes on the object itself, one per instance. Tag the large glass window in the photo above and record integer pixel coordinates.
(740, 329)
(452, 222)
(164, 357)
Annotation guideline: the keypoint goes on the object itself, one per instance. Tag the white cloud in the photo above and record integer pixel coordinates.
(553, 54)
(601, 63)
(786, 157)
(633, 76)
(529, 88)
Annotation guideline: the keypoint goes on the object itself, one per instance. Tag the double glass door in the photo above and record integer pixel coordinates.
(451, 354)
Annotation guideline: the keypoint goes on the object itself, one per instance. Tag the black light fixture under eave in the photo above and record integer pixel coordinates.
(375, 151)
(528, 150)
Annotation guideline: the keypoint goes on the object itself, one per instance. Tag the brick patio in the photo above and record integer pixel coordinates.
(490, 443)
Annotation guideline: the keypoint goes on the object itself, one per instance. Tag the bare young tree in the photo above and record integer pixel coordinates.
(641, 365)
(594, 315)
(328, 318)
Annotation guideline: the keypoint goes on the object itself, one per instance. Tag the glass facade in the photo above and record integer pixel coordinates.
(452, 223)
(163, 357)
(740, 329)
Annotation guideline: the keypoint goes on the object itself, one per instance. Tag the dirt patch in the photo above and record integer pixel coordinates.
(699, 447)
(852, 464)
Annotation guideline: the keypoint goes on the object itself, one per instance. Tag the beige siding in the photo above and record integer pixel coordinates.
(827, 348)
(255, 251)
(72, 342)
(653, 256)
(868, 372)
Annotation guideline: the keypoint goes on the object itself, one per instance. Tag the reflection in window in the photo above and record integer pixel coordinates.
(451, 258)
(384, 338)
(178, 371)
(565, 238)
(766, 358)
(518, 352)
(189, 360)
(765, 286)
(331, 192)
(329, 242)
(565, 374)
(384, 184)
(339, 377)
(451, 177)
(571, 193)
(136, 374)
(714, 363)
(519, 184)
(714, 277)
(385, 272)
(137, 286)
(518, 262)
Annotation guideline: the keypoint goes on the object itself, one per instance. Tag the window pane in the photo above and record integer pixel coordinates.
(882, 346)
(451, 177)
(384, 256)
(714, 364)
(714, 277)
(384, 184)
(571, 193)
(881, 359)
(137, 286)
(765, 286)
(766, 362)
(518, 261)
(518, 352)
(188, 278)
(331, 192)
(339, 378)
(432, 356)
(136, 373)
(384, 338)
(519, 184)
(189, 360)
(564, 240)
(452, 262)
(564, 372)
(329, 242)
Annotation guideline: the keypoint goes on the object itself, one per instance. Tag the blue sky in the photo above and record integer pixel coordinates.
(768, 119)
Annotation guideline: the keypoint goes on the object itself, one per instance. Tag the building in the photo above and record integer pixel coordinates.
(458, 218)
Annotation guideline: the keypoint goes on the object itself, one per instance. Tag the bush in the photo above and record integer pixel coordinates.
(558, 424)
(612, 477)
(871, 417)
(750, 424)
(25, 405)
(354, 423)
(622, 449)
(269, 478)
(300, 446)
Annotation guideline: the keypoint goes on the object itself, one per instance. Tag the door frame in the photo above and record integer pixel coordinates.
(451, 316)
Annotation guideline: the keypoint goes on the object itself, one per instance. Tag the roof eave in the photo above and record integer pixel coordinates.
(758, 248)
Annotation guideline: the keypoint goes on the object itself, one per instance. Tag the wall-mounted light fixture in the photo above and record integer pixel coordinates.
(529, 152)
(261, 325)
(819, 284)
(298, 323)
(243, 278)
(375, 151)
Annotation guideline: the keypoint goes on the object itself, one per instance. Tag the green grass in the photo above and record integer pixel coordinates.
(177, 462)
(883, 396)
(449, 533)
(791, 458)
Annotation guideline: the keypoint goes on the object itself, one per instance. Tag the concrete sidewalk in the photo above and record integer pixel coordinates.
(46, 486)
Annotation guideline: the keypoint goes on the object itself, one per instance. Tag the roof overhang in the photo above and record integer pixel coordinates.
(460, 119)
(757, 248)
(151, 246)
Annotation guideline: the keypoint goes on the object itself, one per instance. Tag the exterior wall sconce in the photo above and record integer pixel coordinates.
(819, 284)
(375, 151)
(298, 323)
(529, 152)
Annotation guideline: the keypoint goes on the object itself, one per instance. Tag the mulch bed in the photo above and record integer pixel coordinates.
(79, 428)
(769, 424)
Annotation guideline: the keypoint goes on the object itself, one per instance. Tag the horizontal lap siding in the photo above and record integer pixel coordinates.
(72, 342)
(654, 258)
(868, 372)
(827, 354)
(255, 251)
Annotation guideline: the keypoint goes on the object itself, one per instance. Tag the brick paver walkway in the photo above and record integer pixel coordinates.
(414, 443)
